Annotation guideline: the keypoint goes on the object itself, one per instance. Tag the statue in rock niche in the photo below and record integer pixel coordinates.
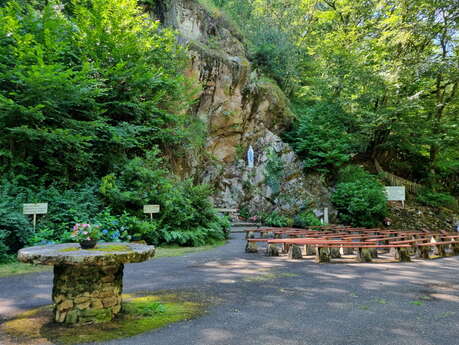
(250, 157)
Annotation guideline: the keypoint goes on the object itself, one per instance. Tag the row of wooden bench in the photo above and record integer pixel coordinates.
(333, 242)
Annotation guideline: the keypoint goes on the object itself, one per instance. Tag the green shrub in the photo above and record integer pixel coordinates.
(187, 216)
(65, 208)
(4, 249)
(16, 228)
(305, 219)
(85, 88)
(276, 219)
(321, 136)
(359, 198)
(274, 171)
(437, 199)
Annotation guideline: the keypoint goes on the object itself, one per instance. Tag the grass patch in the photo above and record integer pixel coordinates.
(168, 251)
(417, 302)
(364, 307)
(380, 300)
(140, 314)
(15, 268)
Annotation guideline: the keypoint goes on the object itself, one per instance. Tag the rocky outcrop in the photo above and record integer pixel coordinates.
(415, 217)
(240, 109)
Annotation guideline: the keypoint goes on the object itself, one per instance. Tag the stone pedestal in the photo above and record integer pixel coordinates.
(295, 253)
(272, 250)
(322, 255)
(87, 282)
(87, 294)
(364, 255)
(422, 252)
(251, 247)
(403, 255)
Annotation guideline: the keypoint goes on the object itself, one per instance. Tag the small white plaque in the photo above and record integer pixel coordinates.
(151, 209)
(35, 208)
(395, 193)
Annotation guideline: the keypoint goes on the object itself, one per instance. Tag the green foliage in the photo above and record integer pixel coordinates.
(276, 219)
(88, 90)
(322, 136)
(270, 46)
(15, 229)
(187, 216)
(4, 249)
(359, 197)
(305, 219)
(274, 171)
(84, 89)
(65, 209)
(436, 199)
(390, 67)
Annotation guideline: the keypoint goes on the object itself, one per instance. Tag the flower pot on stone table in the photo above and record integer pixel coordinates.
(88, 244)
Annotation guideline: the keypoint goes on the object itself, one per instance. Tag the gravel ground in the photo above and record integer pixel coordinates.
(273, 301)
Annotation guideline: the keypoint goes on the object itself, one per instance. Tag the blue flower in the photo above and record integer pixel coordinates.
(105, 232)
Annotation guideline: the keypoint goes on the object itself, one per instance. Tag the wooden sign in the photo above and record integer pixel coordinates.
(151, 209)
(35, 208)
(395, 193)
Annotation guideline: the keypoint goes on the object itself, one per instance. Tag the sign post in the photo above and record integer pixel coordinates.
(150, 209)
(396, 193)
(34, 209)
(326, 220)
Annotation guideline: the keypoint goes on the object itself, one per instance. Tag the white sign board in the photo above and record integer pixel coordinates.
(395, 193)
(35, 208)
(151, 209)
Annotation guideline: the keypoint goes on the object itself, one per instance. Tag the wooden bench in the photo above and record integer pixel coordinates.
(323, 254)
(423, 249)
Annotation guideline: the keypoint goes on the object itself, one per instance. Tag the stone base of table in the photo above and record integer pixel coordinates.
(85, 294)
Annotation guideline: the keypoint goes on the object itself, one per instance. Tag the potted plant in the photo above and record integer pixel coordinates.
(86, 234)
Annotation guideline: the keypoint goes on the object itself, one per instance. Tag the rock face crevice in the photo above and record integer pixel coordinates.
(239, 108)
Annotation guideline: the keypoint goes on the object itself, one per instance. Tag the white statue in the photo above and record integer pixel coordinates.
(250, 157)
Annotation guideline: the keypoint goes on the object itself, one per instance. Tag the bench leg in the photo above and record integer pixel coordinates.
(403, 255)
(294, 253)
(322, 255)
(285, 248)
(422, 252)
(374, 252)
(441, 250)
(455, 248)
(346, 251)
(334, 253)
(364, 255)
(251, 247)
(310, 250)
(272, 250)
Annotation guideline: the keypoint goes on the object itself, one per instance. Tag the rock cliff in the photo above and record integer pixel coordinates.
(240, 109)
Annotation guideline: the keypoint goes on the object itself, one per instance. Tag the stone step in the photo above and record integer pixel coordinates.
(244, 224)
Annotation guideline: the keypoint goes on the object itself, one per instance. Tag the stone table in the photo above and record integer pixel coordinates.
(87, 283)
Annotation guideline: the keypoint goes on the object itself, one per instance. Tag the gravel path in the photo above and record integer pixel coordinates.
(273, 301)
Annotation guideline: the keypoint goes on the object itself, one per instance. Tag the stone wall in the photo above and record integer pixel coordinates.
(87, 294)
